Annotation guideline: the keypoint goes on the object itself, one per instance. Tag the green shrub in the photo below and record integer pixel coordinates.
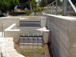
(1, 15)
(42, 9)
(27, 12)
(39, 9)
(35, 10)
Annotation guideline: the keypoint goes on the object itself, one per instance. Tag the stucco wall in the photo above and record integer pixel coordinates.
(63, 31)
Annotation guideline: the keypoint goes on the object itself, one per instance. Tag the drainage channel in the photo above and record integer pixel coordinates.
(30, 23)
(33, 39)
(32, 46)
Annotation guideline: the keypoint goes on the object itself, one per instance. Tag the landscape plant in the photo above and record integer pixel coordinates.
(8, 5)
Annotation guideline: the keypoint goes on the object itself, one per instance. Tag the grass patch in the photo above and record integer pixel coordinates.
(21, 13)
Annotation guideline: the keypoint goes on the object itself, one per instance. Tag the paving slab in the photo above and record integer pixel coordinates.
(7, 48)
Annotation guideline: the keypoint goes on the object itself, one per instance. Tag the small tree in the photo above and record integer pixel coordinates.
(43, 3)
(34, 4)
(50, 1)
(47, 2)
(28, 3)
(6, 5)
(13, 3)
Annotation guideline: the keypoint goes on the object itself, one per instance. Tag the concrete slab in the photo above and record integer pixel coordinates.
(7, 48)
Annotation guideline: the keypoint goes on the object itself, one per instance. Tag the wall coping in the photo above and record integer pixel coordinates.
(62, 17)
(10, 28)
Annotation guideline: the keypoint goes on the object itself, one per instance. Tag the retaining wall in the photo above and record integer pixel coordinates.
(0, 49)
(8, 21)
(15, 34)
(63, 35)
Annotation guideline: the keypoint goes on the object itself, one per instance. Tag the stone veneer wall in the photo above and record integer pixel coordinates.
(63, 39)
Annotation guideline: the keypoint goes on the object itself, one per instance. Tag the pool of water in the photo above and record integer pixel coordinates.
(33, 50)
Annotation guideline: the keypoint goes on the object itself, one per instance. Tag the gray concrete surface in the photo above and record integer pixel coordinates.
(13, 32)
(0, 49)
(63, 35)
(8, 21)
(43, 22)
(8, 48)
(30, 30)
